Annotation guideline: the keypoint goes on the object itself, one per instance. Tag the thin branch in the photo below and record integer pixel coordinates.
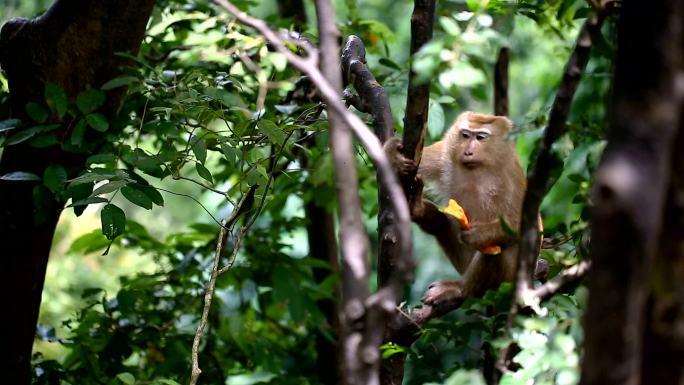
(418, 98)
(206, 187)
(539, 179)
(194, 199)
(209, 293)
(308, 66)
(564, 278)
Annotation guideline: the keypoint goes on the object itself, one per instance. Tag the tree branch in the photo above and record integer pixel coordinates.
(361, 350)
(209, 293)
(501, 83)
(418, 97)
(370, 142)
(564, 278)
(538, 180)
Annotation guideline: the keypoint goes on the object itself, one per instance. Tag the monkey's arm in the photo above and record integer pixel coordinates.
(489, 233)
(431, 162)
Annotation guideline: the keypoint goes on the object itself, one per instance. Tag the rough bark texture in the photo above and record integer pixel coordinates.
(402, 330)
(501, 83)
(323, 246)
(355, 269)
(629, 196)
(72, 45)
(418, 98)
(371, 97)
(663, 349)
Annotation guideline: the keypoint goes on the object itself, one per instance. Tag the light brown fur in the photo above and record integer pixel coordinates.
(476, 165)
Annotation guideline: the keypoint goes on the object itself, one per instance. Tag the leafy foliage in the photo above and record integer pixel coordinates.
(210, 105)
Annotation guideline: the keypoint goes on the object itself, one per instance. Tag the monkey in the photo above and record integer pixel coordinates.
(475, 164)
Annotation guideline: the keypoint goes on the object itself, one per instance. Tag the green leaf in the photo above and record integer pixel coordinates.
(199, 148)
(43, 140)
(89, 242)
(450, 26)
(118, 82)
(104, 158)
(273, 132)
(37, 112)
(113, 221)
(250, 378)
(109, 187)
(98, 122)
(20, 176)
(136, 197)
(389, 63)
(56, 99)
(126, 378)
(9, 124)
(54, 178)
(204, 172)
(152, 193)
(232, 154)
(23, 135)
(435, 119)
(77, 193)
(278, 60)
(462, 74)
(93, 177)
(90, 100)
(88, 201)
(78, 133)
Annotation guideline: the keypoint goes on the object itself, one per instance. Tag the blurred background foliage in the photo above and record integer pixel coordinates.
(208, 111)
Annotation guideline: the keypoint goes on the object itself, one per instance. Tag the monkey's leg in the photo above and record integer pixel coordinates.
(444, 294)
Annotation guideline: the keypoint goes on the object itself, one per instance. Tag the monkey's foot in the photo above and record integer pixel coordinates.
(444, 294)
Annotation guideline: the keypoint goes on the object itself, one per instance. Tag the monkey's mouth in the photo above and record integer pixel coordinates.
(471, 164)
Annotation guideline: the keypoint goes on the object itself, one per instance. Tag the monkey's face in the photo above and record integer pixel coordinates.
(473, 146)
(477, 141)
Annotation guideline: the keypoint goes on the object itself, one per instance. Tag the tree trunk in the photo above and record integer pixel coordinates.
(630, 192)
(72, 45)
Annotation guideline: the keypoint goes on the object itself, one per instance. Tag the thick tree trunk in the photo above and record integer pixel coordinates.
(73, 45)
(630, 192)
(664, 334)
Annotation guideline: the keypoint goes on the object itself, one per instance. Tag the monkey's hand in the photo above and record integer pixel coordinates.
(485, 234)
(419, 209)
(444, 294)
(403, 165)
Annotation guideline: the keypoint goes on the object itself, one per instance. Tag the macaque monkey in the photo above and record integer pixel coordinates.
(476, 165)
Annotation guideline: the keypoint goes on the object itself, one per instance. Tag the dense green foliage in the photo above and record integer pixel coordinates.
(210, 107)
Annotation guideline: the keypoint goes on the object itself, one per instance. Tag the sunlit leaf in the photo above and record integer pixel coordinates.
(20, 176)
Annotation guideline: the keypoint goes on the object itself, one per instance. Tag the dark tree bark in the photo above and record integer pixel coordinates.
(72, 45)
(663, 349)
(629, 196)
(501, 83)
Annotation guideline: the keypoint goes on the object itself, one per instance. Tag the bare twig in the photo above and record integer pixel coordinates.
(538, 180)
(209, 293)
(565, 277)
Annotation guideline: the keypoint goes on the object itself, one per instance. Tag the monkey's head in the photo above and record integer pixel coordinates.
(477, 140)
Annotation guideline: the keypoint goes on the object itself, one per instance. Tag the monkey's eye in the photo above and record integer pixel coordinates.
(465, 134)
(481, 137)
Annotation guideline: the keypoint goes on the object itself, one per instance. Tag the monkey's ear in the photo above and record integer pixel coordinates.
(503, 124)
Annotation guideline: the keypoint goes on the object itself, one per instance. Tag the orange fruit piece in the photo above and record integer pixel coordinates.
(456, 211)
